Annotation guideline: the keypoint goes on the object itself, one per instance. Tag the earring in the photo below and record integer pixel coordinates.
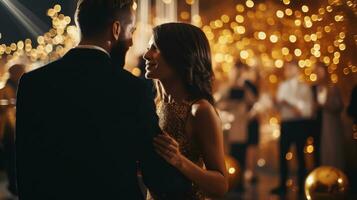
(109, 43)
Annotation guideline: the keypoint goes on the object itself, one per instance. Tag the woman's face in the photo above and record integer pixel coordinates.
(156, 66)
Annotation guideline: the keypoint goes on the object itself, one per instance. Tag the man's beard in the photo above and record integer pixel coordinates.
(118, 53)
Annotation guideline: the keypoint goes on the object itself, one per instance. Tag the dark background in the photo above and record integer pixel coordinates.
(12, 30)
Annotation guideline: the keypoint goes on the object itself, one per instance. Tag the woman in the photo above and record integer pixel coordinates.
(179, 60)
(330, 102)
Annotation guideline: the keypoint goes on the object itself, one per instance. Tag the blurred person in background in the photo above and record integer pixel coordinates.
(244, 132)
(331, 105)
(295, 101)
(8, 98)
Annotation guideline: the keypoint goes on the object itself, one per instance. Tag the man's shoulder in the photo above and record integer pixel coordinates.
(42, 72)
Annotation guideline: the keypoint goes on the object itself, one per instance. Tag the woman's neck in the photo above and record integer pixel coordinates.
(173, 91)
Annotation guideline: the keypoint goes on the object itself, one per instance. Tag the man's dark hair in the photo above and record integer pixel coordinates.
(94, 16)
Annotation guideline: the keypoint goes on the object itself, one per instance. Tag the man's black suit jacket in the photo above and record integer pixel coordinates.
(82, 125)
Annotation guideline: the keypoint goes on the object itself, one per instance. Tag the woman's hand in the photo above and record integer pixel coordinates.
(169, 149)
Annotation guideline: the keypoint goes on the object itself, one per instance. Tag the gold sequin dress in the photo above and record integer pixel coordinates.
(173, 118)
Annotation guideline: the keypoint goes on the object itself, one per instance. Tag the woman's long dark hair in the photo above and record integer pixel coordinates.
(185, 48)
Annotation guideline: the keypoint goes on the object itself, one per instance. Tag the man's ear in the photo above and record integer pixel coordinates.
(116, 29)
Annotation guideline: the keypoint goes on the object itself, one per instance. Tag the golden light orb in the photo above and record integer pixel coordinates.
(190, 2)
(286, 2)
(342, 35)
(279, 63)
(239, 18)
(240, 8)
(342, 47)
(51, 12)
(234, 172)
(337, 54)
(244, 54)
(292, 38)
(274, 38)
(313, 78)
(334, 78)
(280, 14)
(329, 9)
(288, 12)
(297, 22)
(262, 35)
(13, 46)
(313, 37)
(321, 11)
(289, 156)
(302, 64)
(273, 78)
(326, 60)
(285, 51)
(297, 52)
(326, 183)
(307, 38)
(20, 45)
(57, 8)
(218, 23)
(346, 71)
(249, 3)
(305, 8)
(240, 29)
(339, 18)
(224, 18)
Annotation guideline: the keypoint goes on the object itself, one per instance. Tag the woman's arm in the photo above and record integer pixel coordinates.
(207, 129)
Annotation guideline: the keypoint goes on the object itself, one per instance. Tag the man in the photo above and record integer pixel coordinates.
(295, 102)
(83, 122)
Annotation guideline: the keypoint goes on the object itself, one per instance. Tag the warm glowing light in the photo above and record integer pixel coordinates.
(334, 78)
(57, 8)
(286, 2)
(292, 38)
(280, 14)
(273, 121)
(313, 77)
(261, 162)
(239, 18)
(224, 18)
(20, 45)
(342, 47)
(240, 29)
(262, 35)
(249, 3)
(185, 15)
(289, 12)
(285, 51)
(274, 38)
(273, 78)
(297, 52)
(190, 2)
(244, 54)
(305, 8)
(231, 170)
(297, 22)
(279, 63)
(289, 156)
(240, 8)
(135, 5)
